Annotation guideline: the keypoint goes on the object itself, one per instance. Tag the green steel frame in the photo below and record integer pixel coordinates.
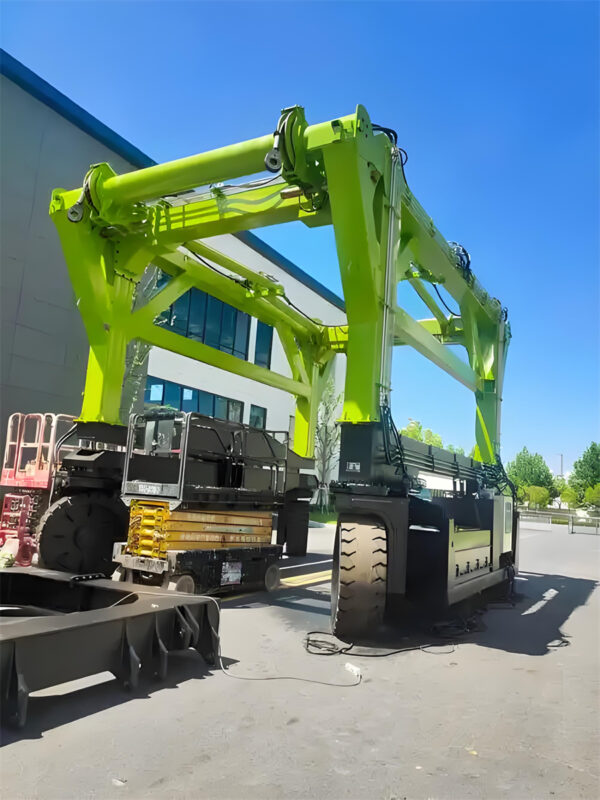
(343, 172)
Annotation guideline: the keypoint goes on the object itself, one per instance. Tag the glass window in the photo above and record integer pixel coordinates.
(162, 279)
(235, 411)
(227, 328)
(180, 312)
(185, 398)
(172, 396)
(264, 341)
(220, 407)
(206, 403)
(203, 318)
(197, 315)
(212, 332)
(164, 317)
(258, 417)
(154, 391)
(189, 399)
(242, 329)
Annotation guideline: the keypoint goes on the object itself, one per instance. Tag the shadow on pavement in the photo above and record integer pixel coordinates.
(59, 706)
(530, 623)
(294, 598)
(534, 626)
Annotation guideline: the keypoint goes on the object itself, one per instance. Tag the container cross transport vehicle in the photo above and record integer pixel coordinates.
(347, 172)
(196, 477)
(202, 494)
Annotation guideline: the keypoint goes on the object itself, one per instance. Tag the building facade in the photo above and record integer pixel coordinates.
(47, 141)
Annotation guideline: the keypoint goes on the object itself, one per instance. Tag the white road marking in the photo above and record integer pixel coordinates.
(306, 564)
(541, 603)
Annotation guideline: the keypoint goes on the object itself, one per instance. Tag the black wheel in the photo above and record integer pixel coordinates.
(359, 578)
(77, 533)
(271, 579)
(183, 583)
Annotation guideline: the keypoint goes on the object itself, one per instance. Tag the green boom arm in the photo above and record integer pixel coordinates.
(344, 172)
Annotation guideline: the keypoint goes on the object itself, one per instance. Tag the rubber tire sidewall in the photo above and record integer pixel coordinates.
(54, 518)
(360, 610)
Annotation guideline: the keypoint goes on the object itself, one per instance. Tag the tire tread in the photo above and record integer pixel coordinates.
(358, 605)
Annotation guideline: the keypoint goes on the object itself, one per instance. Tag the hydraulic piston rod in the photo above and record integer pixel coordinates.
(223, 164)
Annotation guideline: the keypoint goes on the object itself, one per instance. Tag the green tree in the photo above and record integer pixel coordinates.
(538, 496)
(569, 497)
(586, 470)
(327, 441)
(592, 496)
(560, 484)
(414, 430)
(530, 469)
(429, 437)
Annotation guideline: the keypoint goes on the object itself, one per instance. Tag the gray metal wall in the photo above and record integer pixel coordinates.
(44, 347)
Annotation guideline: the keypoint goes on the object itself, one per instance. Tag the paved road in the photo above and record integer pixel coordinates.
(509, 711)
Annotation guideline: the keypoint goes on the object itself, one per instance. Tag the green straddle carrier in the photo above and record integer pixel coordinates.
(345, 172)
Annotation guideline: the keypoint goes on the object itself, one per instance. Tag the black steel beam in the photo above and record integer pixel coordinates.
(82, 627)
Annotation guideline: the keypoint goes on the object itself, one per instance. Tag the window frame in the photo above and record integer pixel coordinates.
(253, 409)
(211, 312)
(202, 398)
(262, 326)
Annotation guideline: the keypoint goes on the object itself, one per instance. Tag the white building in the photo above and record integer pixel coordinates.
(224, 394)
(47, 141)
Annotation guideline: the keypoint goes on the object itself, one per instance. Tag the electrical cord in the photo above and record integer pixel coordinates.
(442, 301)
(463, 259)
(214, 269)
(322, 647)
(247, 185)
(239, 281)
(304, 314)
(219, 657)
(393, 137)
(495, 475)
(226, 672)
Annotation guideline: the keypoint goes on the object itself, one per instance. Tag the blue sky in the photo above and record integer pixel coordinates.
(495, 102)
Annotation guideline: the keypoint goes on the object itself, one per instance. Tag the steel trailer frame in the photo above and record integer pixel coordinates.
(82, 627)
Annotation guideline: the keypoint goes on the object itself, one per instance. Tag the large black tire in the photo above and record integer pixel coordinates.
(77, 533)
(359, 578)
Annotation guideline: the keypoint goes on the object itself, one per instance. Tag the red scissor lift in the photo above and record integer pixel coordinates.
(34, 448)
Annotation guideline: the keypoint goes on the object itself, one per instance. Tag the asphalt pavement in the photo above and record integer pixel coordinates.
(507, 709)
